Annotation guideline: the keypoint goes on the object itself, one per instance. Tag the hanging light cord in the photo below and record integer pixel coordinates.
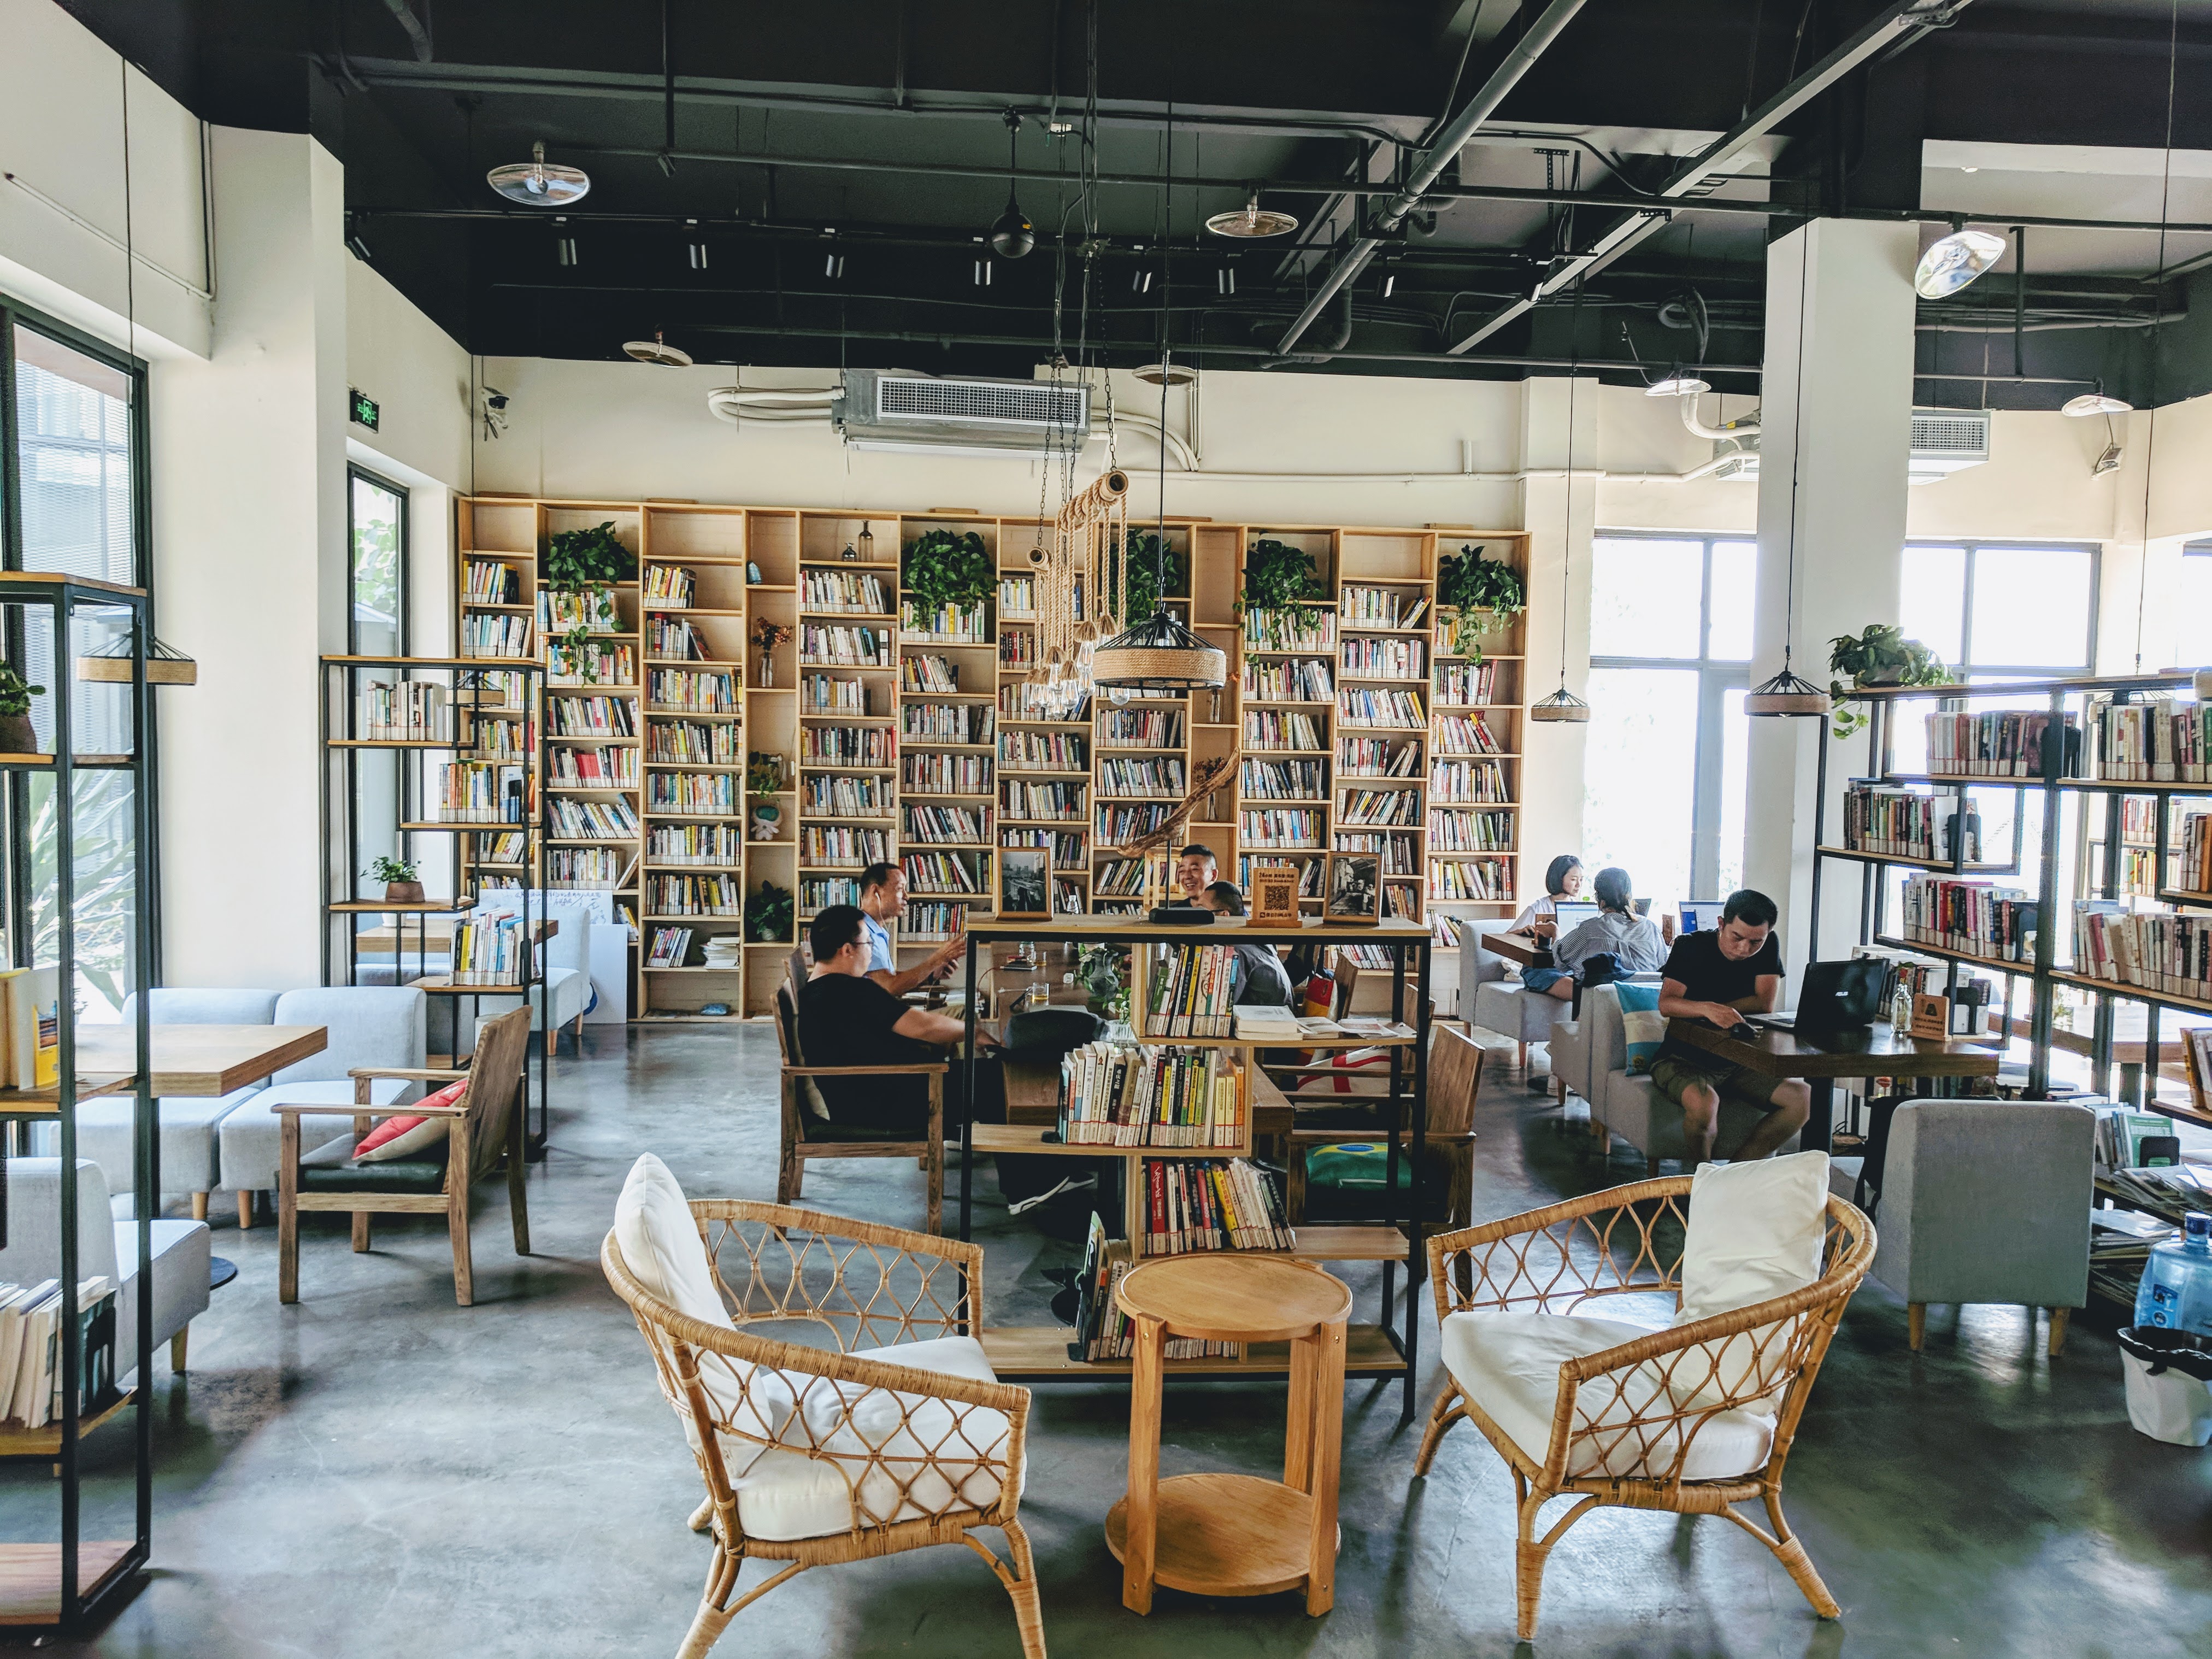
(1796, 450)
(1167, 274)
(1567, 509)
(2157, 328)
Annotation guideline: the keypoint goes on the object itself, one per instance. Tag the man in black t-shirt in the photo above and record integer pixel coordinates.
(1718, 976)
(847, 1019)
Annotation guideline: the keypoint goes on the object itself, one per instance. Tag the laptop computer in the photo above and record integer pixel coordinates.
(1570, 914)
(1700, 915)
(1837, 996)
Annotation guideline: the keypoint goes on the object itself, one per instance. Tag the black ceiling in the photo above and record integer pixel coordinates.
(1300, 96)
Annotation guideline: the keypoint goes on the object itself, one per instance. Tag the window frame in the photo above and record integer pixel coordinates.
(355, 470)
(1716, 677)
(1973, 546)
(14, 314)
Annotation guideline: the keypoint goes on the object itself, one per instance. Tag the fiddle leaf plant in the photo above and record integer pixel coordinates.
(1879, 655)
(1281, 577)
(1472, 586)
(948, 567)
(583, 564)
(768, 914)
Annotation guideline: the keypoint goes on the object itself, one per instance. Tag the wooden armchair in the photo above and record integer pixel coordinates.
(1455, 1086)
(486, 1125)
(1680, 1418)
(817, 1456)
(808, 1134)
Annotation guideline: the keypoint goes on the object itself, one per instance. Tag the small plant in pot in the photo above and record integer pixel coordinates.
(583, 564)
(768, 914)
(1478, 596)
(1281, 577)
(17, 735)
(947, 568)
(1879, 656)
(402, 879)
(763, 782)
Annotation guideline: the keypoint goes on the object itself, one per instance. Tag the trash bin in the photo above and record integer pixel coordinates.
(2169, 1379)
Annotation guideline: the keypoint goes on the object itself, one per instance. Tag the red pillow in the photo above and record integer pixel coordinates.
(1352, 1059)
(401, 1137)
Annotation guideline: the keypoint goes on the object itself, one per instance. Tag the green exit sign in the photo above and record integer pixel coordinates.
(364, 410)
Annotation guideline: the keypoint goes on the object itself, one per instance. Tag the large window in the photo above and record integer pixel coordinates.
(1996, 611)
(72, 490)
(1670, 654)
(2194, 601)
(376, 527)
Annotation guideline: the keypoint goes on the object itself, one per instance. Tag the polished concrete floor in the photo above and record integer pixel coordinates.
(377, 1472)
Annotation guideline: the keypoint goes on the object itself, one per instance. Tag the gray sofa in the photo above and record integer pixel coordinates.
(106, 1242)
(1630, 1105)
(1984, 1201)
(1490, 1001)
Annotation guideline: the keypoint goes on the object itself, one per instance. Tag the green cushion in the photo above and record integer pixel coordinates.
(332, 1169)
(812, 1128)
(1361, 1166)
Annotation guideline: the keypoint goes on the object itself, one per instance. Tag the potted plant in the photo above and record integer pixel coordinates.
(947, 568)
(763, 781)
(1879, 656)
(768, 914)
(1099, 970)
(401, 878)
(17, 735)
(1141, 566)
(1281, 577)
(583, 564)
(1476, 596)
(768, 635)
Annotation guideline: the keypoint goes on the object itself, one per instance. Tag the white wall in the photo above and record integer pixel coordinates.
(63, 218)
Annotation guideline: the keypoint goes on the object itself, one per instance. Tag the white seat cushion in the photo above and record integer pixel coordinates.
(189, 1125)
(891, 1457)
(1508, 1364)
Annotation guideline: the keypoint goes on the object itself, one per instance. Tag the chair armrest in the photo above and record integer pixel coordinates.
(409, 1074)
(317, 1109)
(919, 1069)
(1595, 1245)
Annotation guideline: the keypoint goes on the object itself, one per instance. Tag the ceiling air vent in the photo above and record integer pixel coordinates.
(1944, 441)
(885, 411)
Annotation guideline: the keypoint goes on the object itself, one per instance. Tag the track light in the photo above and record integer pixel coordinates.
(833, 266)
(1141, 282)
(564, 250)
(1954, 261)
(982, 273)
(1224, 280)
(698, 256)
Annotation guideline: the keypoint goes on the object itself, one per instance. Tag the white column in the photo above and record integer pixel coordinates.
(250, 569)
(1835, 436)
(1558, 514)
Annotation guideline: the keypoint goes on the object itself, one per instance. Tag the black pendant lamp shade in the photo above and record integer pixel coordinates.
(1787, 696)
(1012, 235)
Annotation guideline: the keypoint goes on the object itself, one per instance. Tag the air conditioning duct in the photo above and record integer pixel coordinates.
(884, 410)
(1944, 441)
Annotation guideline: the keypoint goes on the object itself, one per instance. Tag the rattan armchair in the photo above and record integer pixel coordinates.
(815, 1456)
(1683, 1419)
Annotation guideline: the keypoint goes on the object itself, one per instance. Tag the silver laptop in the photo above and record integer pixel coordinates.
(1572, 914)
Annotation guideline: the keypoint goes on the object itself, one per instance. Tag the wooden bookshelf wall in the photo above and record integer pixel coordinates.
(925, 744)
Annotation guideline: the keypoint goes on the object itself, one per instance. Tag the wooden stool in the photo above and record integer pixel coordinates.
(1235, 1534)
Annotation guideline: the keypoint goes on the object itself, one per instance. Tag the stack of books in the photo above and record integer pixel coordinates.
(1256, 1024)
(31, 1349)
(1187, 991)
(1101, 1329)
(1212, 1204)
(1125, 1094)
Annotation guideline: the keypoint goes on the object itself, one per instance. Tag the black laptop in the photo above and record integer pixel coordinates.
(1838, 996)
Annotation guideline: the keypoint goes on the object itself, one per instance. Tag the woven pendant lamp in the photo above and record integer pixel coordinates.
(1561, 705)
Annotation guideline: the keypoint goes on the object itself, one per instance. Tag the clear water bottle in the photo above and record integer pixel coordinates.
(2176, 1294)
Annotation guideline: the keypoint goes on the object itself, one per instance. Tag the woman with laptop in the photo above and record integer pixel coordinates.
(1614, 929)
(1562, 880)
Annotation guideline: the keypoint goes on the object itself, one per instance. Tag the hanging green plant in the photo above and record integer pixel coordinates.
(1281, 577)
(768, 914)
(1139, 578)
(1480, 594)
(947, 567)
(1880, 655)
(582, 564)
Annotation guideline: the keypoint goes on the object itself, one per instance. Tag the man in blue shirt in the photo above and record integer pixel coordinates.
(882, 899)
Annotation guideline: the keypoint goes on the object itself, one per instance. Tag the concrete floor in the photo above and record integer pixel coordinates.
(378, 1472)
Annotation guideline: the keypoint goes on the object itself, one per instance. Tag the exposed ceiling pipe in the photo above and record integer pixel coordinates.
(1429, 166)
(418, 35)
(1898, 22)
(1688, 405)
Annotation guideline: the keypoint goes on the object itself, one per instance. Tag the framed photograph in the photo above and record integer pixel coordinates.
(1353, 891)
(1024, 881)
(2198, 1042)
(1274, 902)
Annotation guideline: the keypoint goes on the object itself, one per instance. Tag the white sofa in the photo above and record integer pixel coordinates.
(105, 1243)
(1629, 1104)
(381, 1025)
(189, 1123)
(1488, 1001)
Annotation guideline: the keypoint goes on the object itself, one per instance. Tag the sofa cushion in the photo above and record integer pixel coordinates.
(185, 1005)
(409, 1136)
(365, 1025)
(188, 1131)
(1755, 1232)
(878, 1455)
(1642, 1026)
(1508, 1363)
(250, 1140)
(181, 1253)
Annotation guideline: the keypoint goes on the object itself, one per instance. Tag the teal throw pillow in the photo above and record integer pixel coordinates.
(1646, 1025)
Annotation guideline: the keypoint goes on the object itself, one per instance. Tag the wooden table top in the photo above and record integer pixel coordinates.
(201, 1060)
(1874, 1051)
(1225, 1295)
(1224, 930)
(1524, 948)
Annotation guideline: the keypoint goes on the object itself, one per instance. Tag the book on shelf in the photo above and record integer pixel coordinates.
(489, 949)
(959, 825)
(30, 1020)
(507, 846)
(969, 625)
(1186, 989)
(1127, 1094)
(697, 896)
(825, 694)
(2003, 744)
(858, 592)
(591, 664)
(592, 820)
(1268, 630)
(712, 794)
(1282, 780)
(561, 610)
(1068, 801)
(1466, 734)
(1117, 826)
(588, 869)
(1259, 1023)
(402, 711)
(1280, 826)
(2159, 951)
(834, 796)
(835, 844)
(1977, 917)
(694, 843)
(1024, 701)
(1309, 872)
(673, 636)
(1468, 782)
(2158, 740)
(1139, 728)
(669, 947)
(591, 717)
(1465, 685)
(1400, 854)
(932, 774)
(1477, 880)
(1367, 807)
(473, 791)
(1212, 1204)
(1462, 829)
(1102, 1331)
(927, 672)
(1365, 706)
(931, 922)
(1017, 595)
(1369, 658)
(947, 722)
(844, 647)
(670, 584)
(1378, 757)
(693, 690)
(817, 893)
(1289, 680)
(2121, 1134)
(2194, 866)
(844, 746)
(573, 768)
(31, 1320)
(489, 581)
(1153, 778)
(1282, 730)
(1042, 751)
(1363, 603)
(960, 874)
(1066, 846)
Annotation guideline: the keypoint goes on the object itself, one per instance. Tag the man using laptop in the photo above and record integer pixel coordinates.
(1718, 975)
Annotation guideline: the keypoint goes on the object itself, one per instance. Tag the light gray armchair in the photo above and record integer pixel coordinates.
(1630, 1105)
(383, 1026)
(108, 1244)
(1488, 1001)
(189, 1123)
(1984, 1200)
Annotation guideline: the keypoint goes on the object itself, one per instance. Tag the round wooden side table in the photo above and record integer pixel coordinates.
(1235, 1534)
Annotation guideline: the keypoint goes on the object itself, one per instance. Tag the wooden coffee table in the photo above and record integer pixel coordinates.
(1235, 1534)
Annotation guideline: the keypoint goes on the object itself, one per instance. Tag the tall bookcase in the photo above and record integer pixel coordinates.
(916, 738)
